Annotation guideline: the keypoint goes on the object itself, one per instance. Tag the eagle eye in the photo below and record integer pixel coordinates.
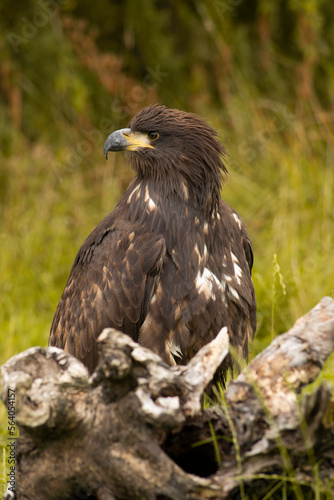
(152, 135)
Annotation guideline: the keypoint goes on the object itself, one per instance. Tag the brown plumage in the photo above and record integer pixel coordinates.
(171, 264)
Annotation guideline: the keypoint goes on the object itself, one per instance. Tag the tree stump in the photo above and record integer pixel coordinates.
(136, 429)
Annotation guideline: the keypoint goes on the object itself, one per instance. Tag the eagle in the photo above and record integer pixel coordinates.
(171, 264)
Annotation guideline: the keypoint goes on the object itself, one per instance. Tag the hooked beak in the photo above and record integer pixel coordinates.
(126, 140)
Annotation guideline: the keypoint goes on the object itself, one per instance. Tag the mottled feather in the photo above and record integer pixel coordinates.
(171, 265)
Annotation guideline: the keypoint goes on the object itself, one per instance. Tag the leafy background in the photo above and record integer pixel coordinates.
(261, 71)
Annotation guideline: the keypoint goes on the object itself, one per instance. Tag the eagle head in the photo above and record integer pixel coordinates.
(174, 148)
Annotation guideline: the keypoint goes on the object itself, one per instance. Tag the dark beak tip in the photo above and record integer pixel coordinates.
(117, 141)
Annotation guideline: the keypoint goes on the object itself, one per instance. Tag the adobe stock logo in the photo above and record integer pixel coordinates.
(30, 27)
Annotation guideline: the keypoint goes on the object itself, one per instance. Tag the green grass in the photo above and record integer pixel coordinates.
(281, 182)
(286, 197)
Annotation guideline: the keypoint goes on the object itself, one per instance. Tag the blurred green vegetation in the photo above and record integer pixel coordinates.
(261, 71)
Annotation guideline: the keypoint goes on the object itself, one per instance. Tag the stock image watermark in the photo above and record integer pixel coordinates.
(11, 442)
(46, 10)
(121, 107)
(223, 7)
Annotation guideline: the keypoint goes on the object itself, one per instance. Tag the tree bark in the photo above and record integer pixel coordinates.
(135, 428)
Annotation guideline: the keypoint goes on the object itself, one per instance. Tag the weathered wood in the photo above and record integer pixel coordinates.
(128, 431)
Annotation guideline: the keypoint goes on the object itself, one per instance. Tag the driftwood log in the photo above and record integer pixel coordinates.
(136, 429)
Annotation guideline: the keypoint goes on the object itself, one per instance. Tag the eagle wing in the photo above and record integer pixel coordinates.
(237, 275)
(205, 284)
(110, 285)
